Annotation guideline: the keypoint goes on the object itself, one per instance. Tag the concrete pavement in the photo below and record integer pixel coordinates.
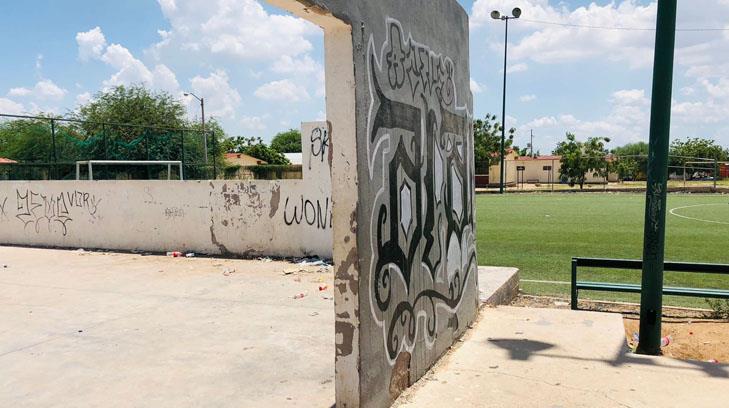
(526, 357)
(81, 329)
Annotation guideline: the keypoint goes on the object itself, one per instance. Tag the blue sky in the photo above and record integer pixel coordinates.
(261, 70)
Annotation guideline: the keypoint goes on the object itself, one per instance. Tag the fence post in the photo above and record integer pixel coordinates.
(573, 298)
(716, 172)
(182, 149)
(103, 139)
(54, 166)
(215, 156)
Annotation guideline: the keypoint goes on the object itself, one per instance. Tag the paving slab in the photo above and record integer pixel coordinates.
(83, 329)
(527, 357)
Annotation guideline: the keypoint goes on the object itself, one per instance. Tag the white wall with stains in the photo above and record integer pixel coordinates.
(242, 218)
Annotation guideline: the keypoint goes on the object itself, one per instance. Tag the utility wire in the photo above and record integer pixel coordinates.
(617, 28)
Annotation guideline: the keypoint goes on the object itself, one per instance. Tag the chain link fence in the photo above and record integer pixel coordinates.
(44, 148)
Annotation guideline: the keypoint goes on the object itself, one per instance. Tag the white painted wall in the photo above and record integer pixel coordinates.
(277, 218)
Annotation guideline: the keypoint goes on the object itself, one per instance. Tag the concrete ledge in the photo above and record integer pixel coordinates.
(497, 285)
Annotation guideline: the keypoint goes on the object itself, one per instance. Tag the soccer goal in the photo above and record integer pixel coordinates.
(90, 164)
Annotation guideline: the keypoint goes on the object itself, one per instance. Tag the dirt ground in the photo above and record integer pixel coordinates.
(692, 333)
(703, 340)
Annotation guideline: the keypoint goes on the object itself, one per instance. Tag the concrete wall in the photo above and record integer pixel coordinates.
(397, 75)
(278, 218)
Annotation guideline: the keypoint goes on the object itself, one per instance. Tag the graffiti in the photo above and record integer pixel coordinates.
(314, 213)
(420, 163)
(319, 143)
(52, 210)
(3, 214)
(174, 212)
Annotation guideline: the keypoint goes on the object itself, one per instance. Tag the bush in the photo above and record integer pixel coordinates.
(720, 308)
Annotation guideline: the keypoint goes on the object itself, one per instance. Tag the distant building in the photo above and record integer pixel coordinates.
(536, 170)
(243, 160)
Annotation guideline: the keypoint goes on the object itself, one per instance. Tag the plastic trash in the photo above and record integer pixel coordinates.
(228, 271)
(323, 287)
(174, 254)
(300, 295)
(712, 361)
(190, 255)
(665, 341)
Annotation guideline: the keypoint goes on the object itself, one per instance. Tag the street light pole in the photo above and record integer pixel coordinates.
(654, 234)
(496, 15)
(205, 135)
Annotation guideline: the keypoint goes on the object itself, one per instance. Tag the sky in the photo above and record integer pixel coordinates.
(574, 66)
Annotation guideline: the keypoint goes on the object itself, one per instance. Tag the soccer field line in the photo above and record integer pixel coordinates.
(546, 281)
(672, 212)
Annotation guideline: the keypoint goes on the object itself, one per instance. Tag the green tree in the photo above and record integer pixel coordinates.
(626, 168)
(631, 149)
(638, 155)
(698, 148)
(487, 141)
(254, 147)
(287, 142)
(134, 105)
(581, 158)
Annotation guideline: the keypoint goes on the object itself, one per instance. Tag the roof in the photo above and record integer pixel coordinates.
(545, 158)
(6, 161)
(233, 156)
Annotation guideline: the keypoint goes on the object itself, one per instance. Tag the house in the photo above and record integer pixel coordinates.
(242, 159)
(536, 170)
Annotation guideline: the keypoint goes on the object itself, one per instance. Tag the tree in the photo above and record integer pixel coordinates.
(629, 156)
(626, 167)
(631, 149)
(698, 148)
(487, 140)
(254, 147)
(287, 142)
(582, 158)
(134, 105)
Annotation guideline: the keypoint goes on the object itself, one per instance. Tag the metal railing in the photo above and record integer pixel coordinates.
(636, 264)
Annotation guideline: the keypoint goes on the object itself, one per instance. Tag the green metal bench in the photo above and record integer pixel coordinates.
(635, 264)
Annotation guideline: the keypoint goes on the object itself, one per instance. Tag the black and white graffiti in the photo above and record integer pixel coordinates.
(52, 212)
(319, 144)
(420, 160)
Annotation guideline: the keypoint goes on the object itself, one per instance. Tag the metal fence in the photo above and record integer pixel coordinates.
(46, 148)
(619, 173)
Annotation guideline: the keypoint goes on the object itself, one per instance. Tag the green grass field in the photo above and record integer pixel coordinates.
(540, 233)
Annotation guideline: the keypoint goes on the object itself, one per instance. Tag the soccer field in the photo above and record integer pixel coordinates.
(540, 233)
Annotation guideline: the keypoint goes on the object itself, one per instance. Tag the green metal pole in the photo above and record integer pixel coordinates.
(651, 297)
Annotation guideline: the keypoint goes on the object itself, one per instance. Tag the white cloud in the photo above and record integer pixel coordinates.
(288, 64)
(476, 88)
(528, 98)
(11, 107)
(221, 99)
(43, 90)
(253, 123)
(626, 122)
(91, 44)
(83, 98)
(284, 91)
(520, 67)
(238, 28)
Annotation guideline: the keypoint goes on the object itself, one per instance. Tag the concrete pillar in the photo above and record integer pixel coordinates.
(400, 111)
